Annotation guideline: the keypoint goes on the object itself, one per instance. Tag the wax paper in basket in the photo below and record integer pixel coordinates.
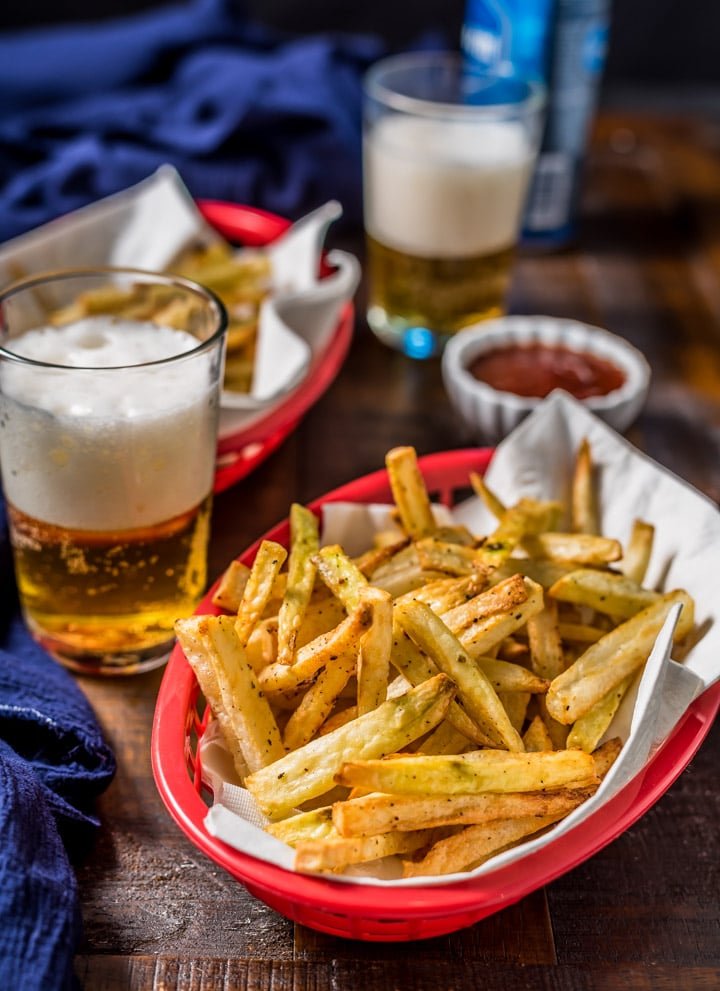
(536, 460)
(150, 224)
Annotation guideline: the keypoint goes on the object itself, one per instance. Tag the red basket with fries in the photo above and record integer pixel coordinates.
(370, 912)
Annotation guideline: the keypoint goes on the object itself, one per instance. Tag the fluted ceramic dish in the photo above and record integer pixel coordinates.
(491, 414)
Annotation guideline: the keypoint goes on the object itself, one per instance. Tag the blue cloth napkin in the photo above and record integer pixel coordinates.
(53, 764)
(88, 110)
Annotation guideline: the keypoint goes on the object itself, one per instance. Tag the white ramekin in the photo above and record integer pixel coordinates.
(491, 414)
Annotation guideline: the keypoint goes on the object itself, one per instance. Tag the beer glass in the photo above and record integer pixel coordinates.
(447, 158)
(109, 401)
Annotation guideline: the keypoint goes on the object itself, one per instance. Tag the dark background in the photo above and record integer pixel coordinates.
(660, 43)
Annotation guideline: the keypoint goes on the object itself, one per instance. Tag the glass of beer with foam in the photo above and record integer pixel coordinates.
(109, 400)
(447, 158)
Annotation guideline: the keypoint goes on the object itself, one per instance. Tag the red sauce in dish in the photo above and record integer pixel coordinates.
(534, 370)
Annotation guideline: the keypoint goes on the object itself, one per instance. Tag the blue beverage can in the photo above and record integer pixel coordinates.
(561, 43)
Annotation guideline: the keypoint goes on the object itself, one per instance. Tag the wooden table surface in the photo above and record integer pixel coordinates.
(644, 913)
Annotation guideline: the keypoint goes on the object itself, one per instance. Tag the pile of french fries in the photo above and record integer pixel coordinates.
(440, 698)
(241, 279)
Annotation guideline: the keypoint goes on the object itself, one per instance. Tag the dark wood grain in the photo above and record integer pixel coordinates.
(642, 914)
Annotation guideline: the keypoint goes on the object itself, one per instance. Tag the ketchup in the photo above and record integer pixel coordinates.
(534, 370)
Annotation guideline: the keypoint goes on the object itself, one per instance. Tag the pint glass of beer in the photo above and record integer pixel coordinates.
(109, 399)
(447, 158)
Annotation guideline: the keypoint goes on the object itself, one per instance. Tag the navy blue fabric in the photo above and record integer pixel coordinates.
(88, 110)
(53, 764)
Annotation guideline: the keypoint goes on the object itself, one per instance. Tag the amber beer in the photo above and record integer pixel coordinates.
(445, 294)
(443, 202)
(446, 165)
(108, 431)
(99, 593)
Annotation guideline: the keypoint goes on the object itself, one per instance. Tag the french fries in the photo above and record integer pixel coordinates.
(471, 773)
(618, 654)
(372, 814)
(443, 696)
(248, 713)
(475, 691)
(301, 578)
(409, 492)
(310, 771)
(242, 280)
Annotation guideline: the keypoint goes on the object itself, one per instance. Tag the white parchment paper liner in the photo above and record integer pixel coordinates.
(536, 460)
(150, 224)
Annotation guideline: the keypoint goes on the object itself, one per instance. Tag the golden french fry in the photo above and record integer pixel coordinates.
(604, 591)
(449, 559)
(558, 731)
(268, 561)
(589, 729)
(286, 701)
(333, 854)
(481, 636)
(229, 592)
(311, 657)
(583, 503)
(455, 534)
(476, 844)
(445, 594)
(580, 548)
(500, 598)
(338, 719)
(475, 692)
(388, 542)
(316, 824)
(417, 667)
(638, 550)
(341, 575)
(100, 300)
(511, 650)
(409, 492)
(481, 489)
(541, 571)
(371, 560)
(536, 737)
(515, 705)
(251, 718)
(606, 755)
(370, 815)
(191, 636)
(261, 648)
(310, 771)
(403, 573)
(546, 653)
(375, 649)
(506, 677)
(178, 313)
(470, 773)
(300, 581)
(580, 632)
(323, 614)
(318, 701)
(528, 517)
(605, 664)
(444, 739)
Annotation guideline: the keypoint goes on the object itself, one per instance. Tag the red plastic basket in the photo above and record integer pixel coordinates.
(396, 914)
(241, 452)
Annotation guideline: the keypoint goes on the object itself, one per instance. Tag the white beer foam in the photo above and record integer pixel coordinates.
(445, 189)
(108, 442)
